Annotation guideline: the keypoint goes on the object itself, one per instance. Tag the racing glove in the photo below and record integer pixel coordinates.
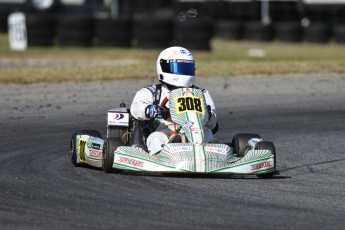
(151, 111)
(163, 112)
(155, 111)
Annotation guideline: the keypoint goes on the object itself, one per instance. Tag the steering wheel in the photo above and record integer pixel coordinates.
(164, 102)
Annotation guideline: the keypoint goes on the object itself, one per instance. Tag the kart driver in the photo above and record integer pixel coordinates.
(175, 69)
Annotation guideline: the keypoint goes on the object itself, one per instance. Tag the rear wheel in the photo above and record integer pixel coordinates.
(240, 142)
(110, 145)
(73, 143)
(266, 145)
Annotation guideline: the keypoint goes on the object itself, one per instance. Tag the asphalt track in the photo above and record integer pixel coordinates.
(304, 115)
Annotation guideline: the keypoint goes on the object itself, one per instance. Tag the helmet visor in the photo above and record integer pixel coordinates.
(178, 66)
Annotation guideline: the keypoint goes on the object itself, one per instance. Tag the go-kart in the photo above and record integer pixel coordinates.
(186, 152)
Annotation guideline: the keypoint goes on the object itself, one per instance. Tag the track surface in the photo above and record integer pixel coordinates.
(303, 115)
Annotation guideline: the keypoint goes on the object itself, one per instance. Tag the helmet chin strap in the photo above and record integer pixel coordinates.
(170, 87)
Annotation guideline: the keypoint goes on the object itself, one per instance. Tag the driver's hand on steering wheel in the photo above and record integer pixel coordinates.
(163, 112)
(155, 111)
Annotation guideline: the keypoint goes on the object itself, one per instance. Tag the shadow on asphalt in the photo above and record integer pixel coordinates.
(276, 176)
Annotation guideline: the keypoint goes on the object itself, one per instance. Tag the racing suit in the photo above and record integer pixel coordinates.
(154, 94)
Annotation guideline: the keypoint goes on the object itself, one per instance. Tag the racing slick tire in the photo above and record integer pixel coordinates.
(40, 29)
(74, 30)
(110, 145)
(266, 145)
(73, 143)
(240, 142)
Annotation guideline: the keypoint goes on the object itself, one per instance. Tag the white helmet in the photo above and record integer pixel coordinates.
(176, 67)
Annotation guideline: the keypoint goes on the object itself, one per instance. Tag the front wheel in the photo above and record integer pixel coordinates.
(240, 142)
(73, 144)
(110, 145)
(266, 145)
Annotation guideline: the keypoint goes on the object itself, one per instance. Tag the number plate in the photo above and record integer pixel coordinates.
(189, 104)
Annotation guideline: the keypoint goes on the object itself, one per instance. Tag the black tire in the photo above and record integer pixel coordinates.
(240, 142)
(74, 30)
(4, 13)
(73, 153)
(106, 24)
(43, 42)
(74, 21)
(192, 26)
(113, 32)
(288, 31)
(75, 43)
(339, 33)
(110, 145)
(227, 29)
(266, 145)
(255, 31)
(198, 36)
(75, 35)
(40, 21)
(40, 29)
(318, 33)
(153, 32)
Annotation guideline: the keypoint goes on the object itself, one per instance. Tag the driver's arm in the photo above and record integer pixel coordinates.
(142, 99)
(213, 119)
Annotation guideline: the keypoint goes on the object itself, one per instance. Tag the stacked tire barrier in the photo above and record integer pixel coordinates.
(46, 29)
(153, 32)
(227, 29)
(74, 30)
(255, 31)
(3, 20)
(113, 32)
(339, 33)
(288, 31)
(40, 29)
(318, 33)
(194, 34)
(291, 31)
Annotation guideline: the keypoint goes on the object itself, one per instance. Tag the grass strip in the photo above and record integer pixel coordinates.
(227, 58)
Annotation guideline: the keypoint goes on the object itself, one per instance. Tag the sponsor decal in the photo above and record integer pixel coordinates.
(95, 146)
(158, 94)
(183, 51)
(131, 162)
(82, 145)
(152, 88)
(181, 149)
(195, 129)
(119, 116)
(119, 119)
(215, 149)
(188, 125)
(188, 92)
(95, 153)
(184, 61)
(180, 61)
(260, 165)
